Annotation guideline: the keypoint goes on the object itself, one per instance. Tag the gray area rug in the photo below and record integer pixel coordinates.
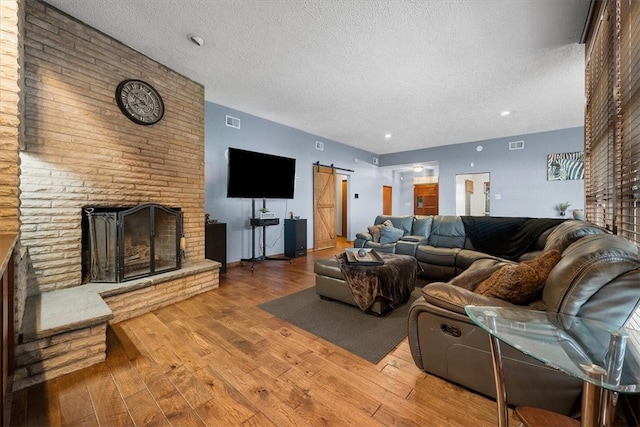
(366, 335)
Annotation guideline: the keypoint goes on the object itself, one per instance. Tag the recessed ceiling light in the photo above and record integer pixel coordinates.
(505, 113)
(418, 168)
(387, 136)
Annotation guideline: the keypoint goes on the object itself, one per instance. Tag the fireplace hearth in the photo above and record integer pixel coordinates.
(120, 244)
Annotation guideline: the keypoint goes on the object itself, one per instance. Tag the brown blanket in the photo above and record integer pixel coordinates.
(393, 281)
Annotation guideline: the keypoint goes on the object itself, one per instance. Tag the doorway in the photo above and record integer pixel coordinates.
(473, 194)
(330, 206)
(342, 200)
(387, 200)
(425, 199)
(324, 207)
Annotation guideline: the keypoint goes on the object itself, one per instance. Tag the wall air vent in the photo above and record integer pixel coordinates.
(375, 160)
(233, 122)
(516, 145)
(319, 146)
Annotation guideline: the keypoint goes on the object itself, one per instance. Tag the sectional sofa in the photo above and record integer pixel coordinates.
(595, 274)
(446, 245)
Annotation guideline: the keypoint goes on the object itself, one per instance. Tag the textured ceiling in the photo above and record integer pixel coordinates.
(428, 72)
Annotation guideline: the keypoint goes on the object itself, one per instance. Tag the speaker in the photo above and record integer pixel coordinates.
(215, 243)
(295, 237)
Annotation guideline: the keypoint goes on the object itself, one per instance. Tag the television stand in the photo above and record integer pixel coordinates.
(264, 223)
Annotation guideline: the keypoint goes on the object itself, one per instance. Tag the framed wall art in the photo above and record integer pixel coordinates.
(565, 166)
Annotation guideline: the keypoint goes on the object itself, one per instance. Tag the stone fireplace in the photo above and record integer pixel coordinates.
(79, 151)
(120, 244)
(104, 160)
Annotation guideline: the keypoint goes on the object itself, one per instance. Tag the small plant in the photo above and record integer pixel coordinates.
(263, 210)
(208, 219)
(562, 207)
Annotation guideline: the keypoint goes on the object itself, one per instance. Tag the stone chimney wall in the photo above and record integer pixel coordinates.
(80, 149)
(11, 136)
(10, 112)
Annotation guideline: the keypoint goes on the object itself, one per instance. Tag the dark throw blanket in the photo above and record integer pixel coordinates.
(505, 237)
(394, 280)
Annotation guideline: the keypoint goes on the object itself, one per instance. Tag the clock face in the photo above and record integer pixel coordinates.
(140, 102)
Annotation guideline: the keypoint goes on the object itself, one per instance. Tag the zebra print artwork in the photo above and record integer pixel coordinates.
(564, 166)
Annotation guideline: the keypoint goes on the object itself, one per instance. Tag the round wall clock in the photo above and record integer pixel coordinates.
(140, 102)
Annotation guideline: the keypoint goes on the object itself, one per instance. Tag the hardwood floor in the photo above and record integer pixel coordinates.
(217, 359)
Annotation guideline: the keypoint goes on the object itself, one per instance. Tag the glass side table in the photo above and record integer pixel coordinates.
(605, 357)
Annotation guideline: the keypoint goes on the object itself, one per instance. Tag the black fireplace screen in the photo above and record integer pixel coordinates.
(125, 244)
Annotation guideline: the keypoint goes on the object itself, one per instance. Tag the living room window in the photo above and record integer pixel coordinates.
(612, 118)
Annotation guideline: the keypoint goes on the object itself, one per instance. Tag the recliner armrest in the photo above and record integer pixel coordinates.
(455, 298)
(364, 235)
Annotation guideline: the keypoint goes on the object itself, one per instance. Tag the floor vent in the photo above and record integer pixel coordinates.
(233, 122)
(319, 146)
(516, 145)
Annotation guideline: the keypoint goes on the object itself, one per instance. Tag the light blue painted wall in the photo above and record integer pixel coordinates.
(518, 176)
(265, 136)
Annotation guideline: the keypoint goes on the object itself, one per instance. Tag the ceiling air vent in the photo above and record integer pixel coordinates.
(233, 122)
(516, 145)
(319, 146)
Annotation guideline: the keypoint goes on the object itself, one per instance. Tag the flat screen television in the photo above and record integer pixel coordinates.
(255, 175)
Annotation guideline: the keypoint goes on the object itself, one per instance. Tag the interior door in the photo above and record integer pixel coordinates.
(387, 197)
(345, 199)
(425, 199)
(324, 207)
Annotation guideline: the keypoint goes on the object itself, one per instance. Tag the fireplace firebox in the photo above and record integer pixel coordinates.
(121, 244)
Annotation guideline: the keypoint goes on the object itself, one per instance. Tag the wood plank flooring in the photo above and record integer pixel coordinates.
(216, 359)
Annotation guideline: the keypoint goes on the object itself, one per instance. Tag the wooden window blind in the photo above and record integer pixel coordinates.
(628, 119)
(600, 136)
(612, 118)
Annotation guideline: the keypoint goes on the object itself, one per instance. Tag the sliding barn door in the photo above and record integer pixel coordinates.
(324, 207)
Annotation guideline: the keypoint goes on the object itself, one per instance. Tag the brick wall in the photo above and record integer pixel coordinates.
(11, 134)
(60, 354)
(81, 150)
(10, 108)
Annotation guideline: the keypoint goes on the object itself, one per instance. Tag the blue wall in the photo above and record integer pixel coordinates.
(518, 176)
(264, 136)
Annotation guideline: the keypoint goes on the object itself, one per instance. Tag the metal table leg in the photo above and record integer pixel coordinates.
(498, 375)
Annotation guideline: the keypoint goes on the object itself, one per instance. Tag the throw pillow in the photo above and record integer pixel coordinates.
(390, 235)
(375, 231)
(471, 278)
(422, 226)
(520, 283)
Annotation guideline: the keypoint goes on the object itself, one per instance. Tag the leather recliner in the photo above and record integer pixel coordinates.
(597, 277)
